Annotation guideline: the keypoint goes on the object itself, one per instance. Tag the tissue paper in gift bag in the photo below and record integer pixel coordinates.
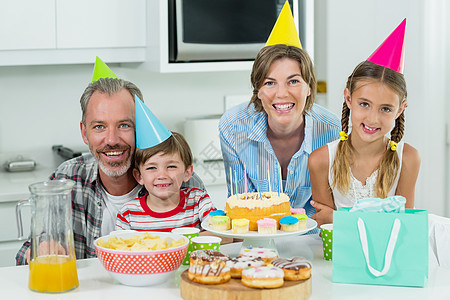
(380, 248)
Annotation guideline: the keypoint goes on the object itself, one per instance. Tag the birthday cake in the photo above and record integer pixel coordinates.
(255, 206)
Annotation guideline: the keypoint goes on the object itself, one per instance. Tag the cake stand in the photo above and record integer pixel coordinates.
(255, 239)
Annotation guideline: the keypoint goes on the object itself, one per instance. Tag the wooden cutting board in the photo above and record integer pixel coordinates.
(235, 290)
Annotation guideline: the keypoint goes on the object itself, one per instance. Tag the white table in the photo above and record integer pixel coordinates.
(95, 282)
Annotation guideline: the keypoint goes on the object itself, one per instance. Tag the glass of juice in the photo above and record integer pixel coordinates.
(52, 258)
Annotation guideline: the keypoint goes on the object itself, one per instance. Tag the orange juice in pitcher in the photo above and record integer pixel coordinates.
(53, 274)
(53, 267)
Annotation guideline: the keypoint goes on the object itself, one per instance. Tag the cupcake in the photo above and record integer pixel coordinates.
(221, 223)
(267, 226)
(215, 213)
(240, 226)
(302, 218)
(289, 224)
(298, 211)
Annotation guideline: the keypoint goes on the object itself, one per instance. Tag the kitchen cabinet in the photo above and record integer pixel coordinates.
(67, 32)
(9, 242)
(23, 28)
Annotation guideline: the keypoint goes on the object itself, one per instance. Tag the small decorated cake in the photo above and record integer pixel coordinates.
(267, 226)
(239, 226)
(263, 277)
(221, 223)
(302, 219)
(255, 206)
(298, 211)
(215, 213)
(289, 224)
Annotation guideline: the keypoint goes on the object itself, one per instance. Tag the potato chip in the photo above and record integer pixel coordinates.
(142, 242)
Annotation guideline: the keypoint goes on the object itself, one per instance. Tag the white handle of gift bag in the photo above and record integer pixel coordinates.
(389, 250)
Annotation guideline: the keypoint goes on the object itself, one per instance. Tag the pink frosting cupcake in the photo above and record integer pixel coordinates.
(298, 211)
(267, 226)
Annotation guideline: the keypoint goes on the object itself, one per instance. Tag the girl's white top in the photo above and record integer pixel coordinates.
(357, 190)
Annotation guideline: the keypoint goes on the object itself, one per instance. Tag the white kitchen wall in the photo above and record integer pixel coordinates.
(40, 104)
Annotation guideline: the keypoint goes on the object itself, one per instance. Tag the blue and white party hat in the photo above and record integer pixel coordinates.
(149, 130)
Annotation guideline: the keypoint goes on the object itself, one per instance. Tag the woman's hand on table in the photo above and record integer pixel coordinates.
(323, 215)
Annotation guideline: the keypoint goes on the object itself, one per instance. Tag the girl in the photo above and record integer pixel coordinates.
(365, 162)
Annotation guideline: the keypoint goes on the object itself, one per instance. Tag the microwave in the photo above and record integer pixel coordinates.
(227, 30)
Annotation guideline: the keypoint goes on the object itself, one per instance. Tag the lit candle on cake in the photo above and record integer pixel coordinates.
(235, 182)
(257, 183)
(231, 182)
(281, 178)
(245, 181)
(268, 176)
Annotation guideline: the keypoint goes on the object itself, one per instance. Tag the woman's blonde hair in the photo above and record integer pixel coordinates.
(265, 59)
(389, 164)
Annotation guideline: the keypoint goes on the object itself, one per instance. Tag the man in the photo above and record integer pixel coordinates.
(103, 178)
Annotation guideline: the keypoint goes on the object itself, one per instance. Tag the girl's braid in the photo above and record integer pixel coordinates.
(399, 128)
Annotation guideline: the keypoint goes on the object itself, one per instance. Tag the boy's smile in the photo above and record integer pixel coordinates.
(162, 175)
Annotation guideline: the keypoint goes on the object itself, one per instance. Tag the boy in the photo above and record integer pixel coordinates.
(162, 169)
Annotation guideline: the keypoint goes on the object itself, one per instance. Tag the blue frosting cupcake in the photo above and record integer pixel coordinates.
(289, 224)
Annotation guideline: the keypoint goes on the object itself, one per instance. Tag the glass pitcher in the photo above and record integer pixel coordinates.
(52, 257)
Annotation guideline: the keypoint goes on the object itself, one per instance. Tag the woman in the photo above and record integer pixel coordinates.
(281, 124)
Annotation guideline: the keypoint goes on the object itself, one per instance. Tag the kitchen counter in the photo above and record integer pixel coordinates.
(14, 185)
(95, 282)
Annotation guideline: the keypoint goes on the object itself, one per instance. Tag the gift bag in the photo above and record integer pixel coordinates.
(380, 248)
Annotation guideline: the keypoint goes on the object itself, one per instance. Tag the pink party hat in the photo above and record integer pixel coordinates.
(390, 53)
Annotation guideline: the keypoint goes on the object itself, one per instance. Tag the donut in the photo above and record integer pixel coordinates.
(209, 267)
(263, 277)
(239, 263)
(295, 268)
(264, 253)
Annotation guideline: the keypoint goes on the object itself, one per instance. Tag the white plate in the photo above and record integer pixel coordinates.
(310, 225)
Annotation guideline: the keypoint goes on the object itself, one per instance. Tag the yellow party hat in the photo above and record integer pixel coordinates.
(284, 31)
(101, 70)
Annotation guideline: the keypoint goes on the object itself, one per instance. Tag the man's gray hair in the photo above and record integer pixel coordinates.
(109, 86)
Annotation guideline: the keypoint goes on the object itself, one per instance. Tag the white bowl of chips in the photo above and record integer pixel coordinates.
(141, 258)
